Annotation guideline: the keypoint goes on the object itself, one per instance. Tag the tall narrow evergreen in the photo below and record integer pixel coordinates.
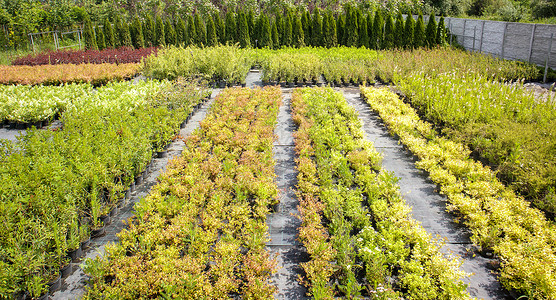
(169, 32)
(137, 37)
(316, 28)
(279, 21)
(441, 32)
(340, 29)
(266, 33)
(219, 28)
(191, 31)
(388, 33)
(332, 30)
(419, 33)
(298, 37)
(230, 28)
(243, 31)
(288, 28)
(118, 32)
(399, 32)
(200, 29)
(89, 38)
(363, 33)
(212, 39)
(101, 42)
(251, 23)
(378, 32)
(370, 31)
(275, 35)
(306, 25)
(149, 31)
(159, 32)
(326, 36)
(181, 30)
(430, 32)
(126, 35)
(257, 31)
(108, 33)
(408, 31)
(351, 33)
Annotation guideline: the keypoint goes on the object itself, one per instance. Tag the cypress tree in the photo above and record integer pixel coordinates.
(351, 33)
(399, 31)
(288, 28)
(101, 43)
(89, 35)
(200, 29)
(181, 30)
(266, 33)
(149, 31)
(378, 24)
(137, 37)
(408, 31)
(169, 32)
(212, 39)
(441, 32)
(275, 35)
(430, 32)
(243, 31)
(279, 21)
(340, 29)
(298, 37)
(419, 33)
(159, 33)
(219, 28)
(252, 24)
(306, 26)
(108, 34)
(191, 31)
(118, 32)
(316, 28)
(230, 29)
(363, 33)
(126, 36)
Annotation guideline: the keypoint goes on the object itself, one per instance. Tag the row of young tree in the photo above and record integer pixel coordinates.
(354, 28)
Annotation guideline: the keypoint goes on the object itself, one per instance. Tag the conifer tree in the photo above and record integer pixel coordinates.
(306, 25)
(200, 29)
(230, 28)
(191, 31)
(326, 36)
(370, 30)
(89, 38)
(351, 33)
(218, 27)
(340, 29)
(430, 31)
(181, 30)
(266, 33)
(363, 33)
(212, 39)
(169, 32)
(159, 32)
(388, 42)
(149, 31)
(316, 28)
(399, 31)
(378, 33)
(118, 32)
(243, 31)
(288, 28)
(108, 33)
(441, 32)
(408, 31)
(252, 24)
(101, 43)
(279, 21)
(332, 30)
(275, 36)
(137, 37)
(419, 33)
(256, 32)
(298, 37)
(126, 36)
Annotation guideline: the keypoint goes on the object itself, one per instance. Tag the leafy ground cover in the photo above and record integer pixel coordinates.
(56, 185)
(95, 74)
(355, 224)
(499, 220)
(107, 56)
(201, 232)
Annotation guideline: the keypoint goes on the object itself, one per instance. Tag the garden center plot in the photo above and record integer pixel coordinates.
(201, 232)
(356, 226)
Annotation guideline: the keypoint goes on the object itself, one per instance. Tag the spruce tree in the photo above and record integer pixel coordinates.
(149, 31)
(200, 29)
(118, 32)
(340, 29)
(266, 33)
(191, 31)
(399, 32)
(181, 30)
(408, 31)
(351, 33)
(101, 42)
(419, 33)
(441, 32)
(243, 31)
(430, 32)
(159, 32)
(298, 37)
(378, 32)
(363, 33)
(306, 25)
(212, 39)
(230, 28)
(126, 35)
(316, 28)
(288, 28)
(275, 36)
(108, 34)
(137, 37)
(218, 28)
(169, 32)
(89, 35)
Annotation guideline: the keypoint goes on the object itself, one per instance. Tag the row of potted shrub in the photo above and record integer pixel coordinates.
(58, 187)
(358, 231)
(122, 55)
(500, 221)
(201, 232)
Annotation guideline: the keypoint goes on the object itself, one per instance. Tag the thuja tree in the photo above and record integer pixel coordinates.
(89, 35)
(251, 23)
(243, 31)
(340, 29)
(108, 34)
(441, 32)
(181, 30)
(363, 33)
(288, 28)
(333, 38)
(126, 35)
(200, 29)
(212, 39)
(137, 34)
(408, 31)
(256, 32)
(191, 31)
(298, 37)
(149, 31)
(351, 33)
(378, 34)
(275, 36)
(419, 33)
(388, 33)
(316, 28)
(101, 42)
(230, 29)
(169, 32)
(118, 32)
(266, 33)
(306, 25)
(219, 27)
(430, 32)
(159, 32)
(370, 30)
(279, 21)
(399, 31)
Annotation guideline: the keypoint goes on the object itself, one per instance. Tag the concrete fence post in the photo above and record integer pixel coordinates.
(548, 57)
(463, 39)
(503, 40)
(482, 34)
(531, 42)
(474, 36)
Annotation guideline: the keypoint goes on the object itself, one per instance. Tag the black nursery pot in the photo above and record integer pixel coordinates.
(98, 232)
(55, 284)
(105, 219)
(66, 270)
(162, 154)
(86, 243)
(75, 254)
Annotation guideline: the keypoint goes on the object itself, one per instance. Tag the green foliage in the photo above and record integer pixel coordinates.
(89, 38)
(101, 43)
(191, 31)
(430, 32)
(266, 33)
(243, 31)
(298, 37)
(126, 36)
(329, 31)
(306, 25)
(351, 33)
(200, 30)
(399, 32)
(275, 36)
(219, 28)
(341, 29)
(253, 29)
(419, 38)
(378, 34)
(181, 31)
(288, 30)
(136, 31)
(149, 31)
(108, 34)
(316, 29)
(212, 38)
(169, 32)
(159, 32)
(363, 33)
(408, 32)
(388, 42)
(118, 32)
(231, 28)
(441, 32)
(279, 21)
